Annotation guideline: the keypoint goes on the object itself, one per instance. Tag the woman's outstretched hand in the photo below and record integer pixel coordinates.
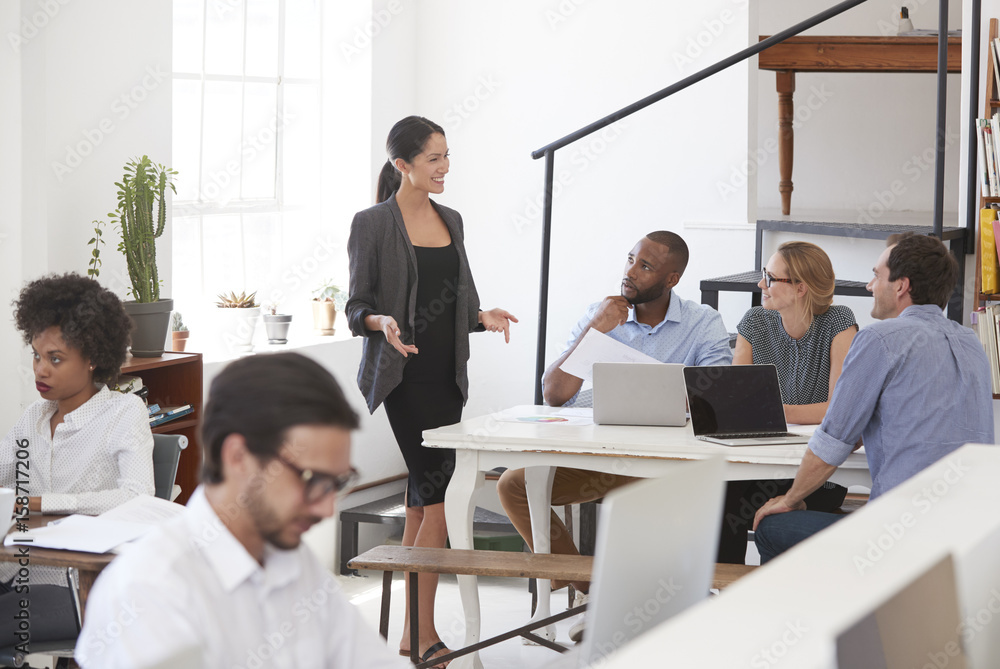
(389, 327)
(496, 320)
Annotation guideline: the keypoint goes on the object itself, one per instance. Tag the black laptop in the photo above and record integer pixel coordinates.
(738, 405)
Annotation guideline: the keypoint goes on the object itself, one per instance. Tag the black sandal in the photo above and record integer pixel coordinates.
(429, 653)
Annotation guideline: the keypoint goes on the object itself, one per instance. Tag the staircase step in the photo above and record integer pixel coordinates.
(746, 282)
(853, 230)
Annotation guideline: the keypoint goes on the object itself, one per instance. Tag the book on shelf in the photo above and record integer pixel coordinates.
(167, 414)
(984, 176)
(985, 322)
(990, 155)
(988, 250)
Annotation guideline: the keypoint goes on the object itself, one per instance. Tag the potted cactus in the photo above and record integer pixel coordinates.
(178, 332)
(276, 325)
(237, 316)
(140, 218)
(324, 306)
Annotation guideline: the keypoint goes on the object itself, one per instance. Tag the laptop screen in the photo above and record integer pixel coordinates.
(737, 398)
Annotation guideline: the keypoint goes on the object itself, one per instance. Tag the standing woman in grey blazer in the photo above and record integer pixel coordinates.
(413, 299)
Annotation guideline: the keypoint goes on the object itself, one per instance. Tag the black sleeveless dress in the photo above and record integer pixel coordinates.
(428, 396)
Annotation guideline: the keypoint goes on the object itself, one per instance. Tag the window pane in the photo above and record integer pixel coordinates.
(260, 141)
(223, 255)
(301, 157)
(224, 38)
(308, 254)
(263, 256)
(186, 136)
(186, 260)
(188, 15)
(302, 41)
(262, 38)
(221, 155)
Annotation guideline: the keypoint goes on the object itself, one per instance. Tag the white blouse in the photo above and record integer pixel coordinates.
(100, 456)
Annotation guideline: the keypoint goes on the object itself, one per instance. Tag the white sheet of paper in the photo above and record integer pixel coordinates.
(599, 347)
(80, 533)
(144, 509)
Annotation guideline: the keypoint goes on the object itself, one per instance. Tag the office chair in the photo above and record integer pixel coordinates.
(166, 454)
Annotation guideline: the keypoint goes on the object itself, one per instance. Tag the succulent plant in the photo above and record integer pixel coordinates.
(234, 301)
(326, 291)
(177, 323)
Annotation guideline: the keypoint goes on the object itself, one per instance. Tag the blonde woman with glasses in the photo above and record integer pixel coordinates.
(800, 331)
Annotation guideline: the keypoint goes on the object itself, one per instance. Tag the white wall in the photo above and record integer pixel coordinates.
(89, 87)
(505, 79)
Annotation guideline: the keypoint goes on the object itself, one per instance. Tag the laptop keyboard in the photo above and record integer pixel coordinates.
(754, 435)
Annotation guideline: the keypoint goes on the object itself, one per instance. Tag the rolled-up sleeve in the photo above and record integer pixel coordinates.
(855, 399)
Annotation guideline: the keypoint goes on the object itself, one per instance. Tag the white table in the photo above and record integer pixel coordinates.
(487, 442)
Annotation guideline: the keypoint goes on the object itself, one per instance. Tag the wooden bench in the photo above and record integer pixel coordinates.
(414, 560)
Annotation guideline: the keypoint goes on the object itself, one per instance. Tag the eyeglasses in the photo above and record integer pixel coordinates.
(318, 486)
(768, 279)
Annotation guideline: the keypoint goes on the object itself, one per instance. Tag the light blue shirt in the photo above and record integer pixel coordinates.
(915, 388)
(689, 334)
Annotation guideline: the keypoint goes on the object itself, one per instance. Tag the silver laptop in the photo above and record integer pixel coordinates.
(644, 572)
(738, 405)
(637, 393)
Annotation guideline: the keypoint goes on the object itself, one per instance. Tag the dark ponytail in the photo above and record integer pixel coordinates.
(389, 180)
(406, 140)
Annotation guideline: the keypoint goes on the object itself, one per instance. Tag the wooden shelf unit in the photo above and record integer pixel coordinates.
(991, 105)
(175, 379)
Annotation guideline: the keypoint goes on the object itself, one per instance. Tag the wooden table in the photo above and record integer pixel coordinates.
(490, 441)
(89, 565)
(822, 53)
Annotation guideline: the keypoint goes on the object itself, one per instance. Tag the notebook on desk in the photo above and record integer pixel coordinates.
(738, 405)
(645, 573)
(636, 393)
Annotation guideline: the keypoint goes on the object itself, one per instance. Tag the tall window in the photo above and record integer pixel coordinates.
(246, 145)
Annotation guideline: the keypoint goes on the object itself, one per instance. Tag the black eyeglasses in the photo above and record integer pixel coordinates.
(768, 279)
(318, 486)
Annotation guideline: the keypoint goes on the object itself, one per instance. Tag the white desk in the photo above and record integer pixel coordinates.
(487, 442)
(867, 565)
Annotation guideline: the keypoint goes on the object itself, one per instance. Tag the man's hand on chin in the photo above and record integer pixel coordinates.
(774, 506)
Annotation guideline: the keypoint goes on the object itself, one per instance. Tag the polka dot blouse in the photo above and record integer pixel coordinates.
(803, 364)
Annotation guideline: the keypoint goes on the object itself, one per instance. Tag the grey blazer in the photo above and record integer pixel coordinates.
(384, 281)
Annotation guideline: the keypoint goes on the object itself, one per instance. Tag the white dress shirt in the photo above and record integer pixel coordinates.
(191, 585)
(100, 456)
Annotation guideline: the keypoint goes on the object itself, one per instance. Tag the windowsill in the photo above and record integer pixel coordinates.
(298, 339)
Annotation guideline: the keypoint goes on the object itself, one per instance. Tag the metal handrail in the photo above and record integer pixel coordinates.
(548, 151)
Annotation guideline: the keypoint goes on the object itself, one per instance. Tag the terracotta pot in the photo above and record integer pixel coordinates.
(180, 340)
(324, 314)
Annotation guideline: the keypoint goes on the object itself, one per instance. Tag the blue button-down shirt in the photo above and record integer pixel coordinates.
(689, 334)
(915, 388)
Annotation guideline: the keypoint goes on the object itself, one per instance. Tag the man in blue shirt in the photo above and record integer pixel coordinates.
(915, 387)
(648, 316)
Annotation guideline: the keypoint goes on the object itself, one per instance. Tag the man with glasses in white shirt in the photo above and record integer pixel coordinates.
(228, 583)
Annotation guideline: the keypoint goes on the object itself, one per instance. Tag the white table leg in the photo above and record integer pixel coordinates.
(538, 486)
(459, 509)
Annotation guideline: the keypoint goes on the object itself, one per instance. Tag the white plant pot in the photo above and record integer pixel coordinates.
(235, 328)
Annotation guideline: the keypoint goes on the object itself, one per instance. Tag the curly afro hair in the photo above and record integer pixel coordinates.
(92, 319)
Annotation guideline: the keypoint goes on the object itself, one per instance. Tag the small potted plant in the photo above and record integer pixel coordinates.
(324, 305)
(238, 320)
(276, 325)
(178, 332)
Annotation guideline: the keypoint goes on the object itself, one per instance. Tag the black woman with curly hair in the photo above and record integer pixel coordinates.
(89, 449)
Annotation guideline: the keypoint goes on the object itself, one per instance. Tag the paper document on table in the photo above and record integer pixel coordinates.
(144, 509)
(599, 347)
(546, 416)
(80, 533)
